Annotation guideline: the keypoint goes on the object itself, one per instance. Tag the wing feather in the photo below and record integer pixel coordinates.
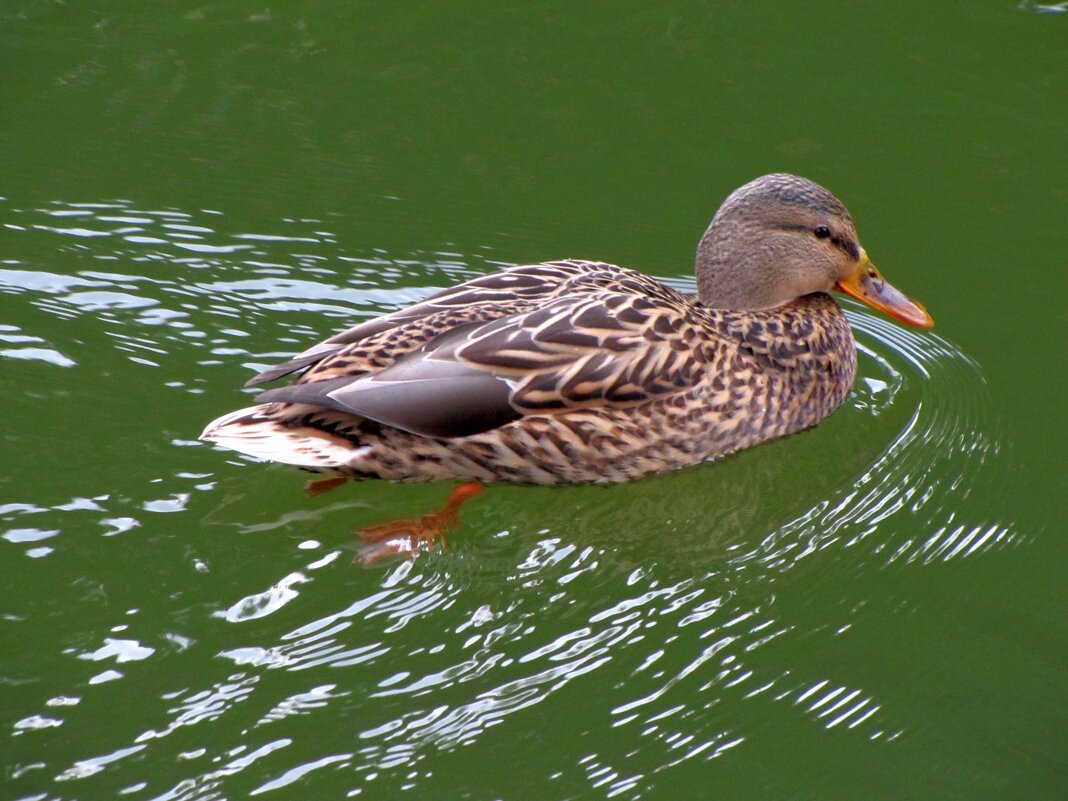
(613, 339)
(601, 350)
(484, 298)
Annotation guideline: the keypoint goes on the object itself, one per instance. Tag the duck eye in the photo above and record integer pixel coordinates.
(822, 232)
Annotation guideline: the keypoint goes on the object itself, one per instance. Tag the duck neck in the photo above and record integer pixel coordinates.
(729, 277)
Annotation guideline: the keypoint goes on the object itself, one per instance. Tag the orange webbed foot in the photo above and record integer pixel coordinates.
(320, 485)
(405, 536)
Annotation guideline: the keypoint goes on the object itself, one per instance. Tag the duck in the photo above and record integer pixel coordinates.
(579, 372)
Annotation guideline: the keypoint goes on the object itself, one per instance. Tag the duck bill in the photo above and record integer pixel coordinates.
(867, 285)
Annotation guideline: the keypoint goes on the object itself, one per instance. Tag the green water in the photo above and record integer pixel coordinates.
(873, 609)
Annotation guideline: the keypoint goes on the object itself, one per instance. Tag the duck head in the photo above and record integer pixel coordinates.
(780, 237)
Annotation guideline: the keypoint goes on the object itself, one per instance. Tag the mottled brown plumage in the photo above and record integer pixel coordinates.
(576, 371)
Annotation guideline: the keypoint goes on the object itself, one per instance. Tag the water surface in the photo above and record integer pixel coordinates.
(870, 609)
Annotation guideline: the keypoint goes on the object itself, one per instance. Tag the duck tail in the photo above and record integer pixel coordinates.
(287, 434)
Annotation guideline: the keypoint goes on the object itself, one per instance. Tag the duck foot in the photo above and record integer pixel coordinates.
(405, 536)
(320, 485)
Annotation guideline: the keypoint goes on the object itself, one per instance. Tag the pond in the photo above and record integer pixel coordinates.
(874, 608)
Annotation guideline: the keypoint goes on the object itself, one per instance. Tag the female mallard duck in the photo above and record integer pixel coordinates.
(577, 371)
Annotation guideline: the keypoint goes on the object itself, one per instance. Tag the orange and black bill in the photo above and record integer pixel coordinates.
(867, 285)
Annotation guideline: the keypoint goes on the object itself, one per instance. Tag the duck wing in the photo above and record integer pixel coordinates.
(480, 299)
(605, 349)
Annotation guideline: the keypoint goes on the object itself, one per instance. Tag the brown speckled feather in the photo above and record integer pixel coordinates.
(609, 375)
(373, 344)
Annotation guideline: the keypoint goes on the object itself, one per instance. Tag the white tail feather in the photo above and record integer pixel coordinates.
(256, 432)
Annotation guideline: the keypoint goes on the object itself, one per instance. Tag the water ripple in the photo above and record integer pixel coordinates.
(556, 600)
